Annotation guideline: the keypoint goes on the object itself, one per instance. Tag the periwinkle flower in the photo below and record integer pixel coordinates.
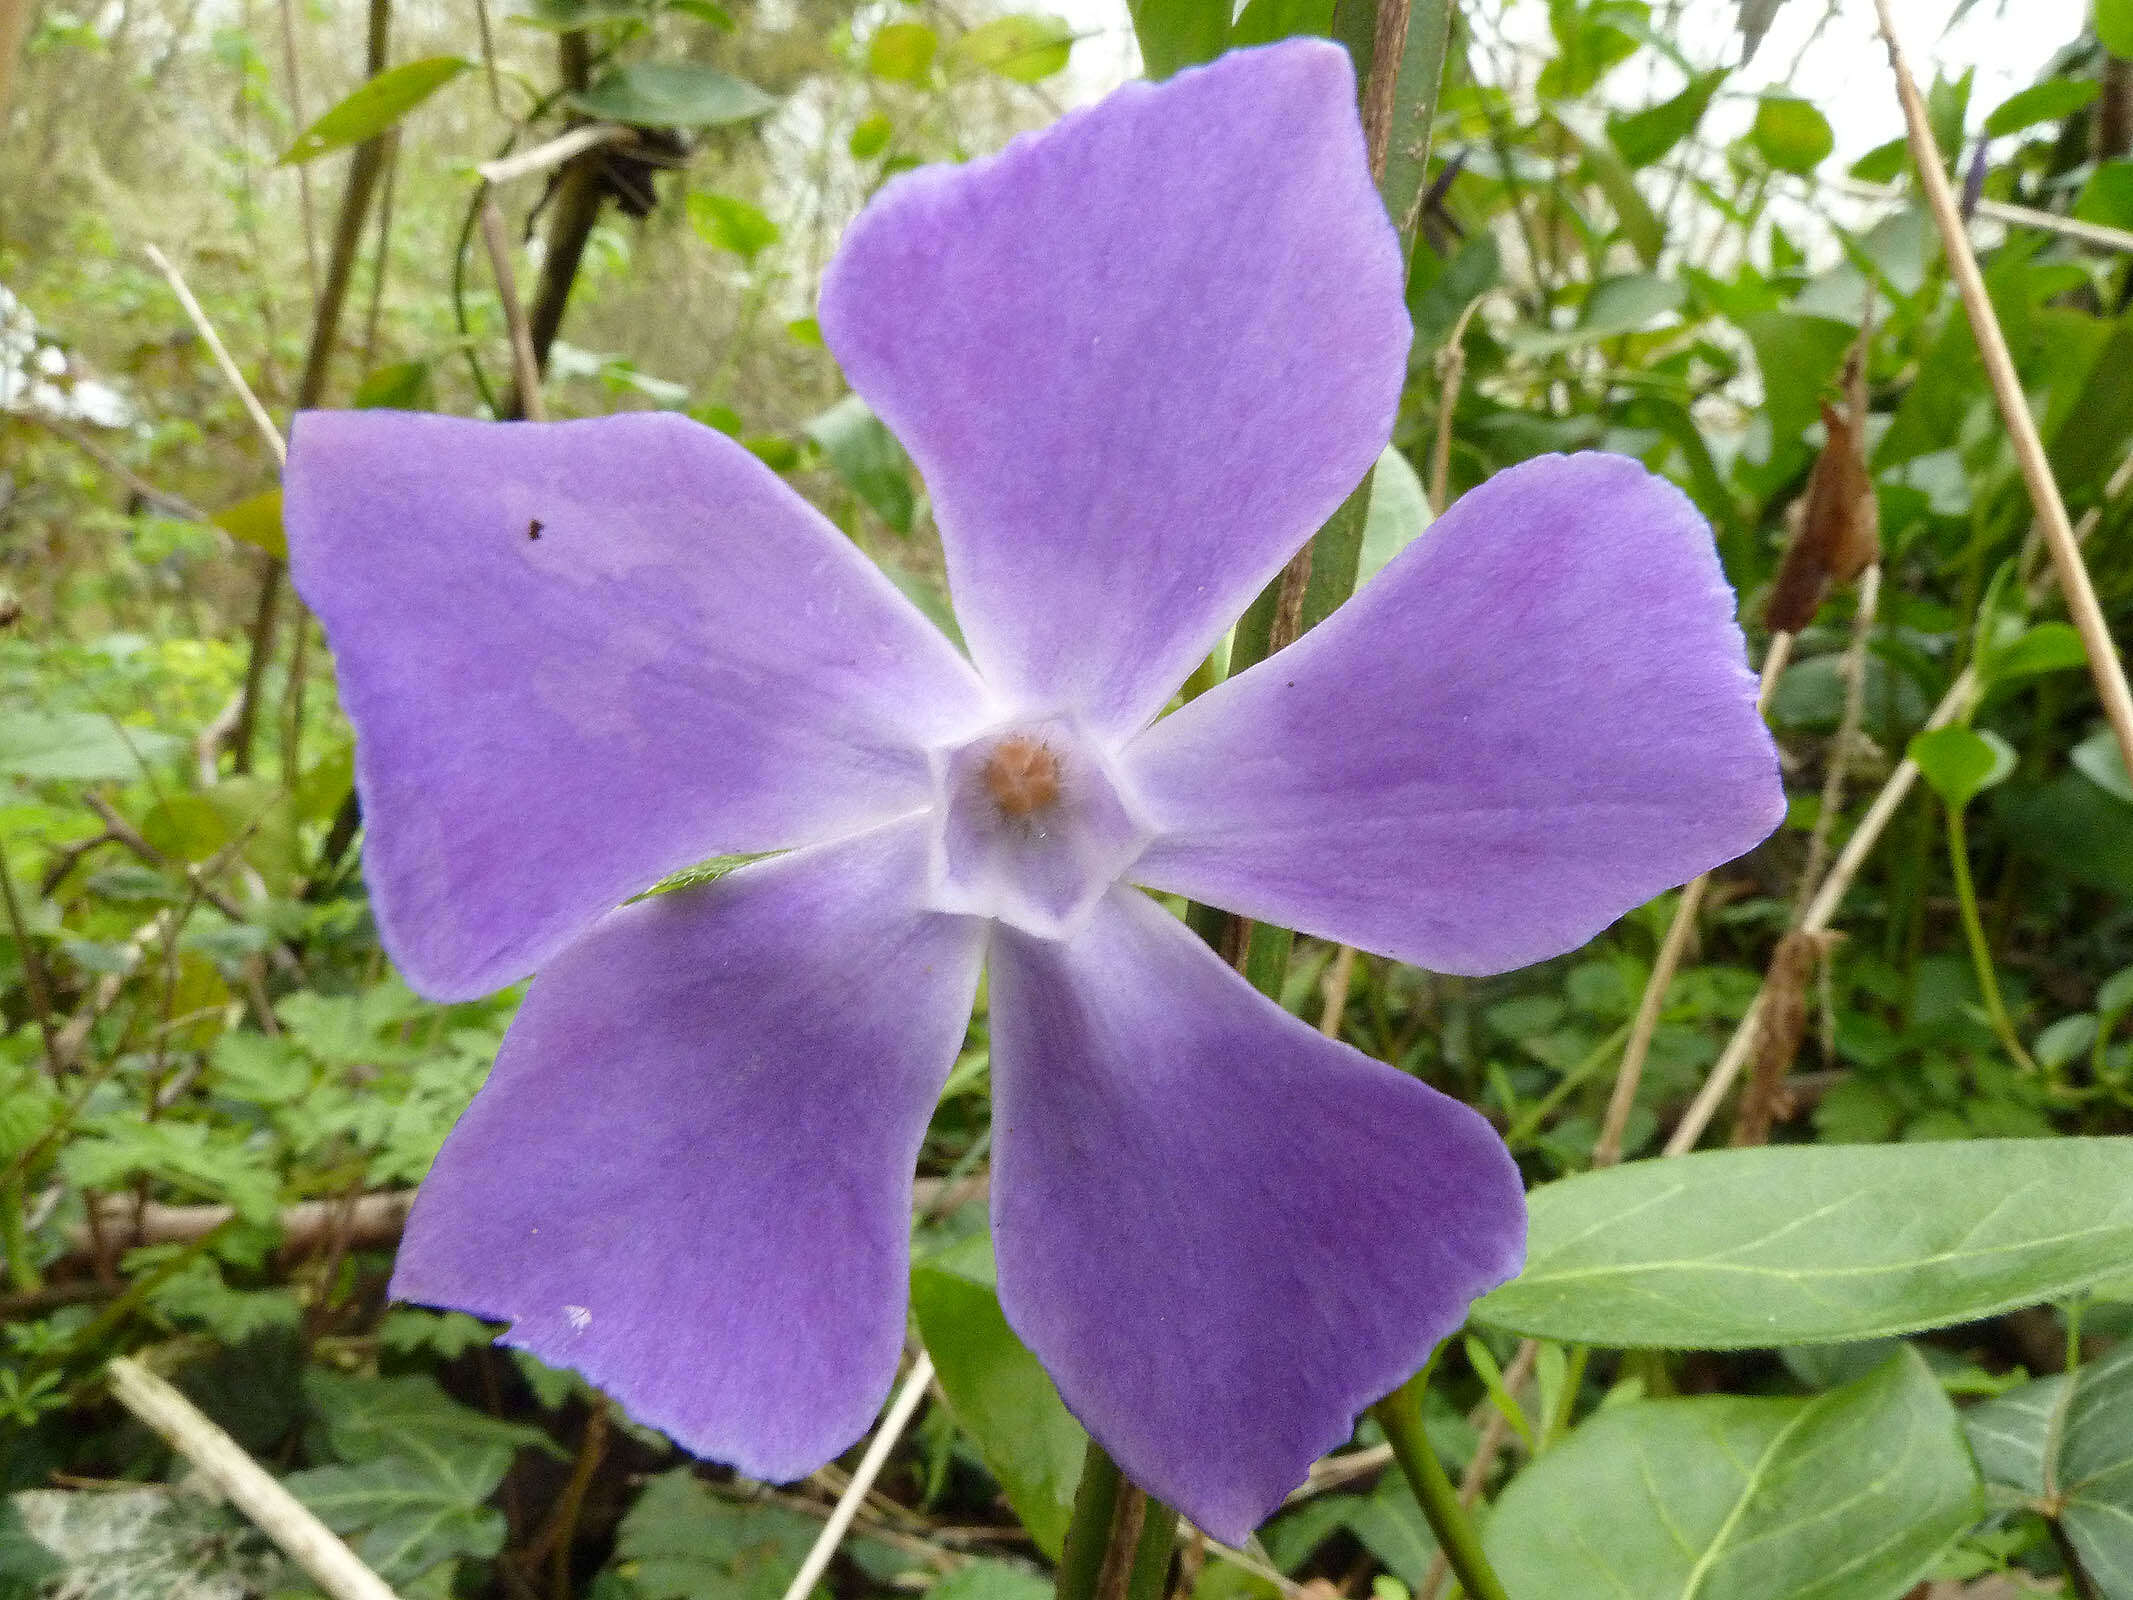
(1138, 358)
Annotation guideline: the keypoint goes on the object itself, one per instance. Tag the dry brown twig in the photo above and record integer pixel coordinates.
(2082, 606)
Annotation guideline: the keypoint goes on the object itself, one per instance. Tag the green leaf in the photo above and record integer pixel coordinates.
(1812, 1244)
(2114, 26)
(1883, 163)
(378, 105)
(1615, 306)
(2071, 1437)
(2053, 100)
(1264, 21)
(997, 1391)
(1797, 356)
(1025, 46)
(991, 1580)
(672, 94)
(1961, 762)
(1399, 514)
(681, 1542)
(367, 1419)
(2047, 647)
(727, 223)
(1645, 136)
(902, 52)
(397, 386)
(1179, 33)
(1845, 1496)
(406, 1514)
(2098, 759)
(76, 747)
(256, 521)
(1791, 134)
(871, 137)
(863, 452)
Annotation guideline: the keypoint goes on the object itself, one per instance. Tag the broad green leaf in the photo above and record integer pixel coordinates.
(1645, 136)
(998, 1392)
(871, 137)
(406, 1514)
(2067, 1442)
(2053, 100)
(727, 223)
(2047, 647)
(2077, 824)
(672, 94)
(397, 386)
(1791, 134)
(76, 747)
(991, 1580)
(682, 1542)
(1026, 46)
(369, 1418)
(1179, 33)
(1627, 303)
(378, 105)
(1960, 763)
(201, 1162)
(1264, 21)
(1814, 1244)
(2114, 26)
(903, 52)
(1797, 356)
(863, 452)
(1439, 290)
(1845, 1496)
(2098, 759)
(256, 521)
(1399, 514)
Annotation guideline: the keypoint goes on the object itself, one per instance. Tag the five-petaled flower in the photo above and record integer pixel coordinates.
(1138, 358)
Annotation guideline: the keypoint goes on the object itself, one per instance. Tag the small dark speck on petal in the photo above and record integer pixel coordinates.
(533, 528)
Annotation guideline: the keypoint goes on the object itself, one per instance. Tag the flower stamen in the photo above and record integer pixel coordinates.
(1021, 775)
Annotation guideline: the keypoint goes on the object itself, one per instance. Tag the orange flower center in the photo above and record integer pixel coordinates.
(1021, 775)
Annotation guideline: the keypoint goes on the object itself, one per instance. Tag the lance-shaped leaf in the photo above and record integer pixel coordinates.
(997, 1390)
(1738, 1249)
(378, 105)
(1846, 1496)
(672, 94)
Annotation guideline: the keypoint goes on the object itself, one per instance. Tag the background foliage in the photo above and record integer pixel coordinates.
(1888, 1351)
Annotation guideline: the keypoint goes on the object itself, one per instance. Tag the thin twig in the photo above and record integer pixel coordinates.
(32, 972)
(870, 1465)
(2095, 233)
(220, 351)
(525, 370)
(2080, 594)
(278, 1514)
(303, 168)
(1339, 976)
(546, 157)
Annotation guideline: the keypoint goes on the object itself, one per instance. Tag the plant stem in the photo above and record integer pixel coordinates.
(1988, 982)
(15, 1238)
(1400, 1415)
(1118, 1543)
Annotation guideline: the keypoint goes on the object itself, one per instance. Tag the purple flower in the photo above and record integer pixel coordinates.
(1138, 358)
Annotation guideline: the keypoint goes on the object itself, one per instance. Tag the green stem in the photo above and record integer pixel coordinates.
(1106, 1509)
(1400, 1415)
(1980, 952)
(15, 1238)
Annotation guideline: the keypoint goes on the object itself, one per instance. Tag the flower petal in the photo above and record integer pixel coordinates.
(579, 656)
(689, 1177)
(1139, 357)
(1537, 717)
(1222, 1233)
